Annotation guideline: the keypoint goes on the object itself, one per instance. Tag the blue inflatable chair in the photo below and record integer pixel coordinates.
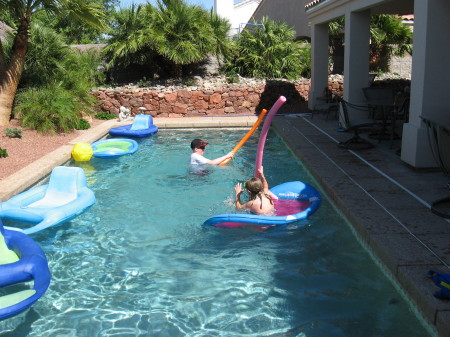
(142, 127)
(21, 260)
(292, 190)
(62, 199)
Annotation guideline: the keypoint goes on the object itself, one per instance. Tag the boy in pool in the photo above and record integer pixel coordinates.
(260, 202)
(198, 149)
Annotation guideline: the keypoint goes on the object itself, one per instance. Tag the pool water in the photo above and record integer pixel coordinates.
(140, 263)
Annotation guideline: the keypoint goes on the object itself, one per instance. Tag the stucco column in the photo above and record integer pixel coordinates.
(429, 79)
(356, 55)
(356, 58)
(319, 62)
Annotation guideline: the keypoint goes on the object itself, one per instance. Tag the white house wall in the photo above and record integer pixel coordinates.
(290, 11)
(224, 8)
(243, 12)
(236, 14)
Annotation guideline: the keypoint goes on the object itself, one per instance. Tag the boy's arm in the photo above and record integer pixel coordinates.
(217, 161)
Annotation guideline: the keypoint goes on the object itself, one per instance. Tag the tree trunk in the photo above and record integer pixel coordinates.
(6, 102)
(10, 73)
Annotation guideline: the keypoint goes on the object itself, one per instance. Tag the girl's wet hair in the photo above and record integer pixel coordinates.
(254, 185)
(256, 188)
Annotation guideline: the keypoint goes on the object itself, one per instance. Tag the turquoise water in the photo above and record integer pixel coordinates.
(140, 263)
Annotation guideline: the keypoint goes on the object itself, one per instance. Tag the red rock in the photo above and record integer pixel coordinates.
(171, 97)
(215, 98)
(180, 108)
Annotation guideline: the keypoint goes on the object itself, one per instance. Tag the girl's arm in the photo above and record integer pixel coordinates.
(263, 180)
(238, 190)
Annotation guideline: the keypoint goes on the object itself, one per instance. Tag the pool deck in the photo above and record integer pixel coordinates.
(386, 201)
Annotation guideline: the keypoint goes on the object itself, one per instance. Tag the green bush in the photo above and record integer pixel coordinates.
(105, 115)
(57, 106)
(13, 133)
(3, 153)
(46, 50)
(232, 78)
(50, 109)
(268, 51)
(83, 124)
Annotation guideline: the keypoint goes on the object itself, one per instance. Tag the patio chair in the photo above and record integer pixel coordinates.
(354, 117)
(372, 77)
(398, 115)
(328, 103)
(377, 97)
(439, 140)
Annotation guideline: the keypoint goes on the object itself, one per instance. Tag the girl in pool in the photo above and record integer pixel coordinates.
(260, 201)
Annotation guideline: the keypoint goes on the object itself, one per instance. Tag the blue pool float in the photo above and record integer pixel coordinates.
(21, 260)
(142, 126)
(114, 147)
(293, 190)
(62, 199)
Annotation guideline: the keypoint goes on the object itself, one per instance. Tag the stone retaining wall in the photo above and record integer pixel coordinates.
(233, 99)
(218, 98)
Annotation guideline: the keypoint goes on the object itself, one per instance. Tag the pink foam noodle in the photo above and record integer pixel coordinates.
(265, 130)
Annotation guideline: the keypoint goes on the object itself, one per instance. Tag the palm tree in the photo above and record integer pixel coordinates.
(221, 28)
(181, 33)
(128, 43)
(76, 32)
(21, 11)
(388, 36)
(46, 50)
(171, 35)
(268, 51)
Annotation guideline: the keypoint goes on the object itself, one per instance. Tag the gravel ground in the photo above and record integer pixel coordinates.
(32, 146)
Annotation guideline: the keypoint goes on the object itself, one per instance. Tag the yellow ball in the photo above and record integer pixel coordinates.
(82, 152)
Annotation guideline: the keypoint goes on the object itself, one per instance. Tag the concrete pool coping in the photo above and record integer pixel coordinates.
(385, 201)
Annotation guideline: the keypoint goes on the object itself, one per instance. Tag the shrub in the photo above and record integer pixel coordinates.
(232, 78)
(267, 51)
(3, 153)
(50, 109)
(57, 106)
(13, 133)
(105, 115)
(83, 124)
(46, 50)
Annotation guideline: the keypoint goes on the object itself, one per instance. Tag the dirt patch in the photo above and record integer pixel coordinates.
(32, 146)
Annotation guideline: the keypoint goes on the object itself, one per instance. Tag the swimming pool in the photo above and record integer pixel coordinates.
(139, 262)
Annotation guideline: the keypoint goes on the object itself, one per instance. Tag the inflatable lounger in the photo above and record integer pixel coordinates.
(114, 147)
(142, 127)
(62, 199)
(21, 260)
(443, 282)
(296, 201)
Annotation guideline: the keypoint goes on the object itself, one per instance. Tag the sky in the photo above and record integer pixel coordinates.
(207, 4)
